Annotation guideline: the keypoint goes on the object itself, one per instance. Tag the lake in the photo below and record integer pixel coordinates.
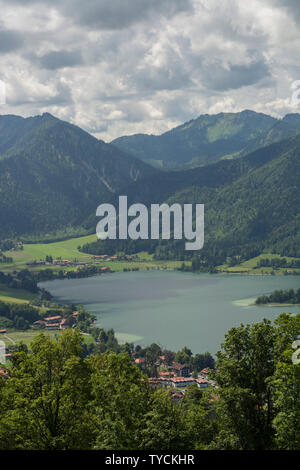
(174, 309)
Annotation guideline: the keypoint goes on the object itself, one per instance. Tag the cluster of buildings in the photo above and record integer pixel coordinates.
(55, 322)
(177, 382)
(178, 376)
(57, 262)
(69, 263)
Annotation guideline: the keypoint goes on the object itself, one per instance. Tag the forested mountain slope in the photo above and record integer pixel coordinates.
(210, 138)
(53, 174)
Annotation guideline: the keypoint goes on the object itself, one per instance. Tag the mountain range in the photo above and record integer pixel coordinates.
(209, 138)
(54, 175)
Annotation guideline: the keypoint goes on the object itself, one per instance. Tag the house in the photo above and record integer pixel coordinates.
(205, 372)
(154, 382)
(140, 360)
(180, 382)
(64, 324)
(167, 374)
(39, 324)
(176, 396)
(181, 370)
(202, 383)
(3, 332)
(105, 269)
(53, 319)
(52, 326)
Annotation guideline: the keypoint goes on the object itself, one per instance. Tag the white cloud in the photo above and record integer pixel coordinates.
(125, 67)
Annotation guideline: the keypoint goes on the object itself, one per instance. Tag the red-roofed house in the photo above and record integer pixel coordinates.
(140, 360)
(64, 324)
(39, 324)
(105, 269)
(54, 319)
(202, 383)
(166, 374)
(52, 326)
(180, 382)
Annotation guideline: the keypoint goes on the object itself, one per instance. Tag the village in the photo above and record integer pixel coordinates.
(96, 259)
(177, 377)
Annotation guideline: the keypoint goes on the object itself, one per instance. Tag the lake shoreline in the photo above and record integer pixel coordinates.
(170, 307)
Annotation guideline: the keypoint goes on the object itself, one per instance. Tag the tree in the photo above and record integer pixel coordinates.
(286, 384)
(120, 396)
(246, 403)
(201, 361)
(183, 356)
(44, 402)
(164, 424)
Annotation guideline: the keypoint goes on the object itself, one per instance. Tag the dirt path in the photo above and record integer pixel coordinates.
(9, 339)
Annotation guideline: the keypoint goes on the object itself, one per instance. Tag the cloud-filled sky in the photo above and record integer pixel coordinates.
(119, 67)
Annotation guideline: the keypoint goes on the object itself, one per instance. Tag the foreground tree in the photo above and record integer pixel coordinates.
(286, 384)
(43, 403)
(245, 405)
(120, 399)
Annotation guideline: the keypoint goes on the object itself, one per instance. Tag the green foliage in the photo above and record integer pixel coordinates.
(53, 175)
(19, 316)
(120, 398)
(43, 403)
(165, 427)
(55, 398)
(251, 408)
(280, 296)
(251, 205)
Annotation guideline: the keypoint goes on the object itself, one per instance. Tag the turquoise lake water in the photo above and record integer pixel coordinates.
(173, 309)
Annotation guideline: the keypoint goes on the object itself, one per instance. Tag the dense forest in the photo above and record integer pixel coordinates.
(241, 219)
(278, 263)
(289, 296)
(56, 397)
(53, 175)
(19, 316)
(66, 174)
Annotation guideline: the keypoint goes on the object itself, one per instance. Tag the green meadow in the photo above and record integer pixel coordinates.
(68, 249)
(15, 295)
(250, 266)
(26, 336)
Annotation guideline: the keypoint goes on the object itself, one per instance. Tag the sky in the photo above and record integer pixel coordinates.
(120, 67)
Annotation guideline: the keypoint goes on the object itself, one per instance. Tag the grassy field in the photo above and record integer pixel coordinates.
(250, 266)
(27, 336)
(68, 250)
(15, 295)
